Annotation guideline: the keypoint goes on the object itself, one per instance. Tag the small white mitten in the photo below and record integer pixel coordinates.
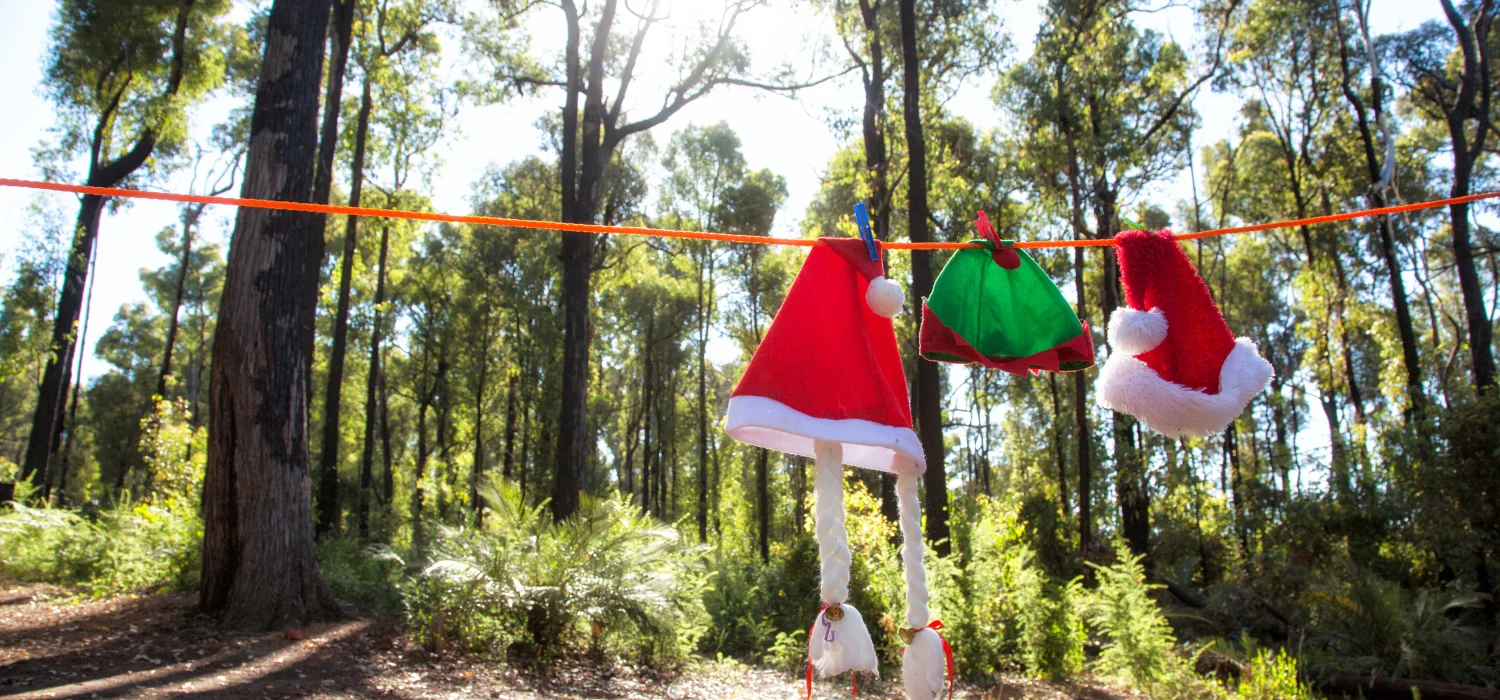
(924, 665)
(841, 645)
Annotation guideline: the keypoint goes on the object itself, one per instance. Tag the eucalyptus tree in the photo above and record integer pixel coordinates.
(1102, 108)
(1450, 77)
(396, 43)
(1377, 134)
(260, 568)
(123, 76)
(605, 44)
(709, 184)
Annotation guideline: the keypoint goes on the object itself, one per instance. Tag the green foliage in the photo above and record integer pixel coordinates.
(369, 577)
(1271, 676)
(1364, 624)
(1016, 614)
(132, 546)
(1139, 646)
(609, 579)
(760, 611)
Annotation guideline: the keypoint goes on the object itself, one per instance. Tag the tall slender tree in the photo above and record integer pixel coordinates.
(121, 74)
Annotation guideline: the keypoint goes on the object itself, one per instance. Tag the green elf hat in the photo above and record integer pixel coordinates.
(996, 307)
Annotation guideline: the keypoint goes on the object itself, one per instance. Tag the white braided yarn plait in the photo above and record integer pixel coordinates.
(917, 614)
(828, 509)
(923, 663)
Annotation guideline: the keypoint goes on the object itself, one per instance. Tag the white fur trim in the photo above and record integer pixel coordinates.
(1130, 386)
(1132, 331)
(885, 297)
(924, 667)
(763, 422)
(842, 646)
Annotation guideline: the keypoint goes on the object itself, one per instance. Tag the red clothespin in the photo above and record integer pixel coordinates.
(1003, 254)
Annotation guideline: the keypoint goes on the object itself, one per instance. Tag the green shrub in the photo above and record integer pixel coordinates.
(1139, 647)
(1271, 676)
(132, 547)
(1365, 624)
(751, 605)
(1015, 615)
(365, 576)
(607, 579)
(1052, 630)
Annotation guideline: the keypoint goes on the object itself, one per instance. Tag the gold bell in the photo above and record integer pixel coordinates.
(834, 613)
(908, 634)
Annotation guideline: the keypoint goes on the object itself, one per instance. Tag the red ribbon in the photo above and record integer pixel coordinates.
(936, 625)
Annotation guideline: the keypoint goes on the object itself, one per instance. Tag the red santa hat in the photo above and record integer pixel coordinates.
(1174, 363)
(829, 369)
(827, 382)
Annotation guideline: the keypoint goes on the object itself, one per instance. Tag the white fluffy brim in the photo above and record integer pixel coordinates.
(924, 667)
(1132, 331)
(763, 422)
(851, 648)
(1129, 386)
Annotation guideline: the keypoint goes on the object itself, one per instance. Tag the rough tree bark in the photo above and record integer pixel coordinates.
(259, 565)
(579, 191)
(927, 389)
(1385, 225)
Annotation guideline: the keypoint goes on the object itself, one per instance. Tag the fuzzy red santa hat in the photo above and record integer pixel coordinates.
(1174, 363)
(827, 382)
(829, 369)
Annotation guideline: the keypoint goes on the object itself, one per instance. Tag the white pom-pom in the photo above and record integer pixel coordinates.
(1133, 331)
(842, 645)
(885, 297)
(924, 667)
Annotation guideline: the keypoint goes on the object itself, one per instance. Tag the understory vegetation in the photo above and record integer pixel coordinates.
(613, 583)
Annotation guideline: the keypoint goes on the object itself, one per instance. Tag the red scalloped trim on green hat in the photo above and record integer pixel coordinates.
(940, 344)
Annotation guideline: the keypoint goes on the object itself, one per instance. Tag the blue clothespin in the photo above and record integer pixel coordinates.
(862, 217)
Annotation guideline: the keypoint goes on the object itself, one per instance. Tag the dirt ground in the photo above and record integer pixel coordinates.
(53, 645)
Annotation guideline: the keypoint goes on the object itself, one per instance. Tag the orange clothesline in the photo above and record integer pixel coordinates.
(674, 233)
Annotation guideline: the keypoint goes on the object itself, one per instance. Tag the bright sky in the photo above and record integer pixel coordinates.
(789, 137)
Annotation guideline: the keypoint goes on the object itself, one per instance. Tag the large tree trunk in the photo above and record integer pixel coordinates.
(927, 389)
(330, 513)
(877, 165)
(1059, 457)
(1130, 471)
(259, 565)
(1084, 437)
(72, 425)
(373, 380)
(476, 473)
(1385, 225)
(418, 492)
